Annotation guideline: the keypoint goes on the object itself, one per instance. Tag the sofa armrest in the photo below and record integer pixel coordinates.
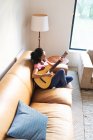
(85, 71)
(86, 61)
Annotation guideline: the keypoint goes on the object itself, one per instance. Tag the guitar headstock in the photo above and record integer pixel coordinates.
(59, 61)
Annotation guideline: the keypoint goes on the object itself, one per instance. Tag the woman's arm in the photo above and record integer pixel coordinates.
(36, 75)
(50, 63)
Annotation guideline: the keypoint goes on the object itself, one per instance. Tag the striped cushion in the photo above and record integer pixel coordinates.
(28, 124)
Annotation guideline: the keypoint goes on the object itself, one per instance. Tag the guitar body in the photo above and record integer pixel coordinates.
(44, 82)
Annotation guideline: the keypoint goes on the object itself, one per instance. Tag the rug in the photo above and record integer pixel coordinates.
(87, 98)
(77, 112)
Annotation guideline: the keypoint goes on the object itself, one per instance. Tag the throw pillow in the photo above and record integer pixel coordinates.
(28, 124)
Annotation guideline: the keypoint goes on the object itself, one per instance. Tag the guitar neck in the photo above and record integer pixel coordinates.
(64, 55)
(52, 68)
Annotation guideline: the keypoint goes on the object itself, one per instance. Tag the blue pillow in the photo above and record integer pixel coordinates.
(28, 124)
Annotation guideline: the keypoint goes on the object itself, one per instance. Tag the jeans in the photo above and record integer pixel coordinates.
(60, 79)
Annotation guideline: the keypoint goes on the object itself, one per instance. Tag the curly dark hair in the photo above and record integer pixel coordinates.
(36, 55)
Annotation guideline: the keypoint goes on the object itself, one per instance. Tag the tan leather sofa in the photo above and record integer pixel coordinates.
(85, 70)
(17, 85)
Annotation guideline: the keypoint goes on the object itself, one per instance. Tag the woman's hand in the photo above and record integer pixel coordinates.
(49, 74)
(61, 59)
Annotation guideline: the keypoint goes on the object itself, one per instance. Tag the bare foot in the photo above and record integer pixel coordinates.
(69, 85)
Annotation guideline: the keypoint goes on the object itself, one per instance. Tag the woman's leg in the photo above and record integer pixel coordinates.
(69, 79)
(59, 79)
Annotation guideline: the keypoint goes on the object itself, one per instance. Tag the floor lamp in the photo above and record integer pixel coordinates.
(39, 23)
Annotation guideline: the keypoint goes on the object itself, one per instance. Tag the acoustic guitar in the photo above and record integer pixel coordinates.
(44, 82)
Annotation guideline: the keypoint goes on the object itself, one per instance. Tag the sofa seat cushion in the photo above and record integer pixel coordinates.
(59, 126)
(56, 95)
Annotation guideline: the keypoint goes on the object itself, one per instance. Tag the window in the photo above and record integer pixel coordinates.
(82, 25)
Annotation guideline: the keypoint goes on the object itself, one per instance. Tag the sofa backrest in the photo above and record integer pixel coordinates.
(16, 85)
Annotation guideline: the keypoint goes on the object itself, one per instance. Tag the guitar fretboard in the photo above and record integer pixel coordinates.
(54, 65)
(64, 55)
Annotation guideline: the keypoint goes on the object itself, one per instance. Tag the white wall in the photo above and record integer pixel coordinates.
(15, 33)
(57, 39)
(13, 14)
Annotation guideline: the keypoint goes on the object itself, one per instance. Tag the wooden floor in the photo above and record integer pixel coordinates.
(87, 100)
(77, 113)
(82, 109)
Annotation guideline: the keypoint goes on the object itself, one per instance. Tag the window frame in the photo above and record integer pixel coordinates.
(72, 26)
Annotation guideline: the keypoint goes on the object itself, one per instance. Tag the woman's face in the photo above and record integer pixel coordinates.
(43, 57)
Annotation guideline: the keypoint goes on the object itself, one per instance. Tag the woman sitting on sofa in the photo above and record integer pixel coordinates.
(59, 79)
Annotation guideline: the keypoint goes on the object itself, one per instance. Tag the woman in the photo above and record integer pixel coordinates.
(40, 62)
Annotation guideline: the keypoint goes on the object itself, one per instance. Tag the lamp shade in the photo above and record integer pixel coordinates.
(39, 23)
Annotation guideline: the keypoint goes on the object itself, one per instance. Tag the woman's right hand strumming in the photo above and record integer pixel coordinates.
(49, 74)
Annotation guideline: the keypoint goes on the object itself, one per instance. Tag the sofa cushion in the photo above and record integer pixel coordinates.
(59, 126)
(23, 71)
(57, 95)
(28, 124)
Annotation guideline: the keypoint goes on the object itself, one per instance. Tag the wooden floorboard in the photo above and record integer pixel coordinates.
(82, 110)
(77, 111)
(87, 98)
